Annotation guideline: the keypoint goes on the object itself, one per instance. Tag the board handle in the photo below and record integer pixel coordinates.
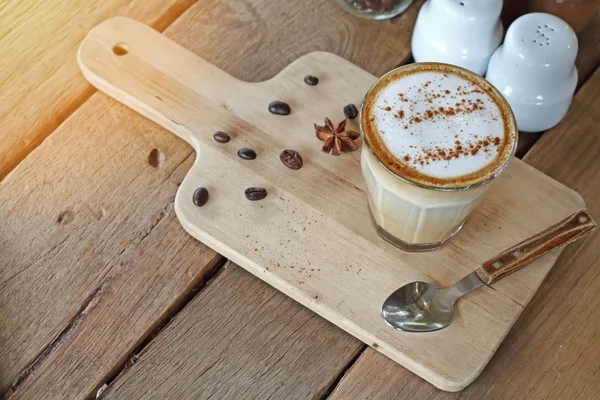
(153, 75)
(566, 231)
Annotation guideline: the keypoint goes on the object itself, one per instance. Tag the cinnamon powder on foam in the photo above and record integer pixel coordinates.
(458, 101)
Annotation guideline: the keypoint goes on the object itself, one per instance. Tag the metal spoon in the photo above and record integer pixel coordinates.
(422, 307)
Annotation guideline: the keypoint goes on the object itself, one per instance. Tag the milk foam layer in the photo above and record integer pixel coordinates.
(440, 124)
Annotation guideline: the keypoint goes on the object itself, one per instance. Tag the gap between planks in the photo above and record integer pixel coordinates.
(130, 359)
(164, 322)
(62, 338)
(336, 379)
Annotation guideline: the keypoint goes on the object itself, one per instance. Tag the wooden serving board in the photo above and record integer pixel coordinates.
(311, 238)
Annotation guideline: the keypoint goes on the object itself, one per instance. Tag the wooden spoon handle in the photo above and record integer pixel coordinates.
(566, 231)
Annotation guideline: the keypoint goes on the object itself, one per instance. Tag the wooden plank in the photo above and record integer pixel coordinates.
(77, 239)
(239, 338)
(98, 161)
(588, 56)
(552, 352)
(255, 39)
(194, 99)
(40, 84)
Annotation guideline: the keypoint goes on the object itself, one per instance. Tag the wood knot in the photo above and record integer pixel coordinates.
(156, 158)
(65, 217)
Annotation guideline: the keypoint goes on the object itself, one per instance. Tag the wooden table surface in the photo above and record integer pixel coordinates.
(101, 288)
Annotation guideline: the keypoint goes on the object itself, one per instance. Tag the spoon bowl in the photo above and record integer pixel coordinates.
(422, 307)
(410, 309)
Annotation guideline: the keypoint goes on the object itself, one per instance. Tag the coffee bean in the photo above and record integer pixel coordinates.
(279, 108)
(221, 137)
(247, 154)
(254, 194)
(350, 111)
(311, 80)
(291, 159)
(200, 196)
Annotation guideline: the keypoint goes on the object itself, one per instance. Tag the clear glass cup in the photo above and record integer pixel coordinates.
(418, 217)
(374, 9)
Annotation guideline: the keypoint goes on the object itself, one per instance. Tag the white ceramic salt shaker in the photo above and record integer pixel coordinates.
(535, 70)
(459, 32)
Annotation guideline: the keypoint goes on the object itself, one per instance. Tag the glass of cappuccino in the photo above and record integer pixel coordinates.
(436, 136)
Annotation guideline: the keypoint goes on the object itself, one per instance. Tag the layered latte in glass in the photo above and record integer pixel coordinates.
(436, 136)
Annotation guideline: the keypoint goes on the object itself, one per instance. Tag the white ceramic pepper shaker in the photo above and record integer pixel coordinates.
(459, 32)
(535, 70)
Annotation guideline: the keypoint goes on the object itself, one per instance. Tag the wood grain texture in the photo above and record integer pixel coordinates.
(239, 338)
(40, 85)
(588, 56)
(558, 332)
(273, 239)
(77, 277)
(511, 260)
(255, 39)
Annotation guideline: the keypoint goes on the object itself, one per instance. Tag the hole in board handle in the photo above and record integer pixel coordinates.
(120, 49)
(156, 158)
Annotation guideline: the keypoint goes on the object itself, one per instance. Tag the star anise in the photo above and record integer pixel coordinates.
(337, 140)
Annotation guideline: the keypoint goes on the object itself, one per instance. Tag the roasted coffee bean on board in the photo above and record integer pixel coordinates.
(254, 193)
(350, 111)
(200, 196)
(221, 137)
(247, 154)
(311, 80)
(291, 159)
(279, 108)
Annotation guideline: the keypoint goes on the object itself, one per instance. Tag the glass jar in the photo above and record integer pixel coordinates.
(374, 9)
